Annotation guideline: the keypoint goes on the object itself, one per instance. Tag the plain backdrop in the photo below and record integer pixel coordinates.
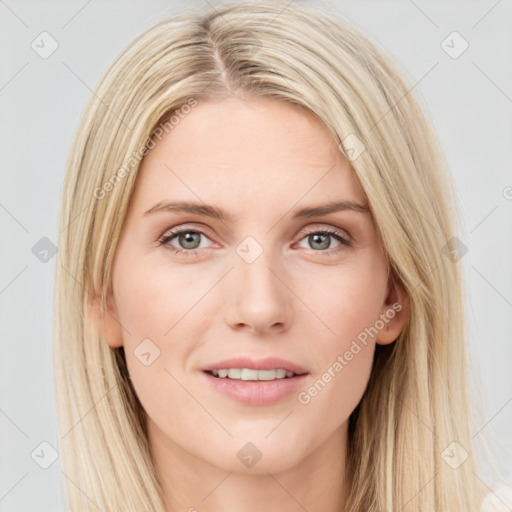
(469, 97)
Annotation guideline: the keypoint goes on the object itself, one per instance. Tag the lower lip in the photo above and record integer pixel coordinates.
(262, 392)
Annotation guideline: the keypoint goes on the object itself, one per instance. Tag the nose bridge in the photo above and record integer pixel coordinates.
(259, 298)
(257, 257)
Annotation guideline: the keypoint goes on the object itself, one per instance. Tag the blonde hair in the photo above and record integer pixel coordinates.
(417, 401)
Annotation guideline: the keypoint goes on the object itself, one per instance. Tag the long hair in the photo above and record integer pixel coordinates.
(411, 430)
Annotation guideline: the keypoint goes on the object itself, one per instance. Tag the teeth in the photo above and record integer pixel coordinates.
(248, 374)
(235, 373)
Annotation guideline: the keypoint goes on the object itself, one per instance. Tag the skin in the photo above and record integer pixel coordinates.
(259, 159)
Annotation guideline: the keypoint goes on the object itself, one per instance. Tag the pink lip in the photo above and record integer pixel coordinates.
(268, 363)
(256, 393)
(251, 392)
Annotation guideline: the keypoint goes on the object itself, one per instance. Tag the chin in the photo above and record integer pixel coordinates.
(258, 457)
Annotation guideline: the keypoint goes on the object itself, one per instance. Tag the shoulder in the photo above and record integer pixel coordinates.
(498, 500)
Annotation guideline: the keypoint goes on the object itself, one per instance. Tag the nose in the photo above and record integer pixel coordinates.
(258, 297)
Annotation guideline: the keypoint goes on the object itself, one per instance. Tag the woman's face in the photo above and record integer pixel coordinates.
(264, 281)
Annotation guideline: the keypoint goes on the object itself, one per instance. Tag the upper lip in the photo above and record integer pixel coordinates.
(267, 363)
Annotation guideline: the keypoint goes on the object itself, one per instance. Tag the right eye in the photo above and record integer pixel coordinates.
(186, 237)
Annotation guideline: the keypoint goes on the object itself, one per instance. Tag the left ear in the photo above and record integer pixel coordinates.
(394, 313)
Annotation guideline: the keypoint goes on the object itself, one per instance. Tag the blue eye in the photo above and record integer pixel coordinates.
(190, 240)
(188, 237)
(322, 238)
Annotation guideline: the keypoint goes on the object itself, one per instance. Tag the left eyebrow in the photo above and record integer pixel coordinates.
(336, 206)
(220, 214)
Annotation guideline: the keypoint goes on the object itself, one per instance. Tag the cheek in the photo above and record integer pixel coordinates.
(347, 300)
(345, 360)
(348, 303)
(158, 307)
(154, 299)
(332, 395)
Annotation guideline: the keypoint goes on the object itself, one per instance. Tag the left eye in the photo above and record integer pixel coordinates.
(190, 240)
(322, 239)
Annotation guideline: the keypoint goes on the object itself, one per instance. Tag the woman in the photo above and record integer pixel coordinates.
(258, 297)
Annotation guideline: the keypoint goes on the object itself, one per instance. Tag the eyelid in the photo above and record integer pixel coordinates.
(203, 229)
(343, 238)
(200, 228)
(329, 228)
(180, 228)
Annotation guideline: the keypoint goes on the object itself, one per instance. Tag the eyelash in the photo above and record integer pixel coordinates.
(169, 235)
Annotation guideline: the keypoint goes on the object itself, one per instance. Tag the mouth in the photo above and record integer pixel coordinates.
(249, 374)
(252, 382)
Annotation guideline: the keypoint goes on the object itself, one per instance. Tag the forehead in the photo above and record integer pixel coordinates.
(238, 151)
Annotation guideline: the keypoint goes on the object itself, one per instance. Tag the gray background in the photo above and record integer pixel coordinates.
(41, 100)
